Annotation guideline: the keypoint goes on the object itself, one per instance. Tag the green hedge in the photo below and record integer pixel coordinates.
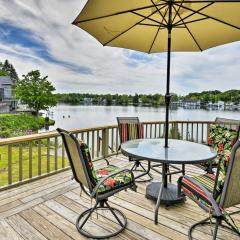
(12, 125)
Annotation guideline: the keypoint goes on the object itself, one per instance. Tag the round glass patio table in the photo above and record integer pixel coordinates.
(178, 152)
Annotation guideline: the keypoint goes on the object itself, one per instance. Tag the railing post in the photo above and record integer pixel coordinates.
(175, 130)
(105, 142)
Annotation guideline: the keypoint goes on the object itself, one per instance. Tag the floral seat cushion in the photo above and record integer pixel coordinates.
(117, 181)
(191, 190)
(120, 180)
(220, 139)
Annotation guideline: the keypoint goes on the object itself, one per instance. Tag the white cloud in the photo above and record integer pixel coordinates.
(114, 71)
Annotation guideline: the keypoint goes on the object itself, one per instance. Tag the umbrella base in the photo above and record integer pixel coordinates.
(169, 195)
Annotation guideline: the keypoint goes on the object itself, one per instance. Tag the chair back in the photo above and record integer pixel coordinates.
(130, 128)
(79, 166)
(231, 190)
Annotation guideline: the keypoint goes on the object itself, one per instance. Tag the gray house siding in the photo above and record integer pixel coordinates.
(6, 95)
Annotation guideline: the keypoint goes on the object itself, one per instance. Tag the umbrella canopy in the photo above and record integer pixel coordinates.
(153, 26)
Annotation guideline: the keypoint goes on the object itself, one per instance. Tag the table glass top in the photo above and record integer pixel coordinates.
(179, 151)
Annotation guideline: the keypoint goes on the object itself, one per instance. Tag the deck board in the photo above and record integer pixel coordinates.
(48, 208)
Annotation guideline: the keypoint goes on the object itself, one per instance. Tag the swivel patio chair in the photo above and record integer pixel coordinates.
(223, 131)
(130, 128)
(98, 184)
(216, 192)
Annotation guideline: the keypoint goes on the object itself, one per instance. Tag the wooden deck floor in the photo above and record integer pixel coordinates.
(48, 208)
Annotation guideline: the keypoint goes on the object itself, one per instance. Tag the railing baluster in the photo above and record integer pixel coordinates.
(116, 134)
(88, 138)
(112, 140)
(182, 131)
(9, 164)
(93, 144)
(48, 155)
(63, 156)
(146, 131)
(197, 134)
(30, 161)
(56, 153)
(98, 143)
(39, 158)
(150, 130)
(202, 132)
(20, 169)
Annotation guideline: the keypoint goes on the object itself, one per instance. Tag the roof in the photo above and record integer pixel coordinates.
(5, 80)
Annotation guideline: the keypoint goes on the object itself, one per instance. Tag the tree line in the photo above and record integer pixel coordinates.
(147, 99)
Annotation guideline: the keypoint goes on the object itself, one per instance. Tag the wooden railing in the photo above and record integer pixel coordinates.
(26, 158)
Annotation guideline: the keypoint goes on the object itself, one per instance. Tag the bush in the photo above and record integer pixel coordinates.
(20, 124)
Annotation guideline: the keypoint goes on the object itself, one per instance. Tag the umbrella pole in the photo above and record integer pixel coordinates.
(168, 96)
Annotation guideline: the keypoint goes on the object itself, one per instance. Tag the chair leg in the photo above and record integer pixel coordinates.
(104, 206)
(145, 172)
(202, 222)
(218, 222)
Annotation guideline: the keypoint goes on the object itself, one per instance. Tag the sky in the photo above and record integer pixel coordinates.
(38, 34)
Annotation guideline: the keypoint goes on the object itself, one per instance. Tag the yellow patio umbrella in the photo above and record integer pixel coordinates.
(153, 26)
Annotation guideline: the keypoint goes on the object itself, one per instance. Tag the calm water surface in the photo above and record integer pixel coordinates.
(80, 116)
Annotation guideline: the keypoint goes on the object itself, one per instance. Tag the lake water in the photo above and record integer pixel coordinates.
(80, 116)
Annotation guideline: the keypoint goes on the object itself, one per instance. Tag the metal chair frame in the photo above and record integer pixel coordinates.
(85, 182)
(137, 161)
(226, 197)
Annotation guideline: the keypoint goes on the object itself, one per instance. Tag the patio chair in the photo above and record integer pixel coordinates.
(217, 138)
(216, 192)
(98, 184)
(130, 128)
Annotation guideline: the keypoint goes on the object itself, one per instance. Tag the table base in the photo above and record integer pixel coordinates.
(169, 194)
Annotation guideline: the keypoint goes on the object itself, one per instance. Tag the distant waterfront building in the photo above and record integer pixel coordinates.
(191, 104)
(87, 101)
(219, 105)
(7, 100)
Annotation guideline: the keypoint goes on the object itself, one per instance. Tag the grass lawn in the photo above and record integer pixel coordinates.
(25, 162)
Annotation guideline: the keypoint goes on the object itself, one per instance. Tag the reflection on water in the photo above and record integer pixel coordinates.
(80, 116)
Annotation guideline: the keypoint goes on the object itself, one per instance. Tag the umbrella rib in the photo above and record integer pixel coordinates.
(117, 13)
(194, 39)
(149, 51)
(129, 28)
(152, 25)
(194, 12)
(196, 20)
(163, 17)
(148, 18)
(155, 37)
(179, 7)
(213, 18)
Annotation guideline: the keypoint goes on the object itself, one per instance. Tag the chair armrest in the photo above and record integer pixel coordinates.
(209, 195)
(94, 192)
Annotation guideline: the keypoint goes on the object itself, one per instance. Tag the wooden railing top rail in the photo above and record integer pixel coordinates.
(52, 134)
(44, 135)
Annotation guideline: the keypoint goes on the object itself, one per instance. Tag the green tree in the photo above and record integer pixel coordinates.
(9, 70)
(136, 99)
(36, 91)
